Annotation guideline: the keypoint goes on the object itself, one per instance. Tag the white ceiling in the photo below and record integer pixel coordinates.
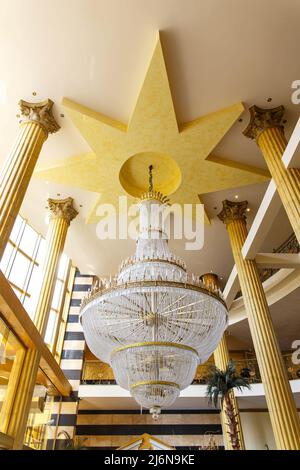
(96, 52)
(182, 403)
(286, 320)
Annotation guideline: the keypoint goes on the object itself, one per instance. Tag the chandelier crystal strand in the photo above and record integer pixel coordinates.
(153, 324)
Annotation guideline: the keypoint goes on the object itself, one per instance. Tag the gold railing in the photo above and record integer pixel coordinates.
(96, 372)
(290, 245)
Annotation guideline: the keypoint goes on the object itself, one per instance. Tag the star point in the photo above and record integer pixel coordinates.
(121, 153)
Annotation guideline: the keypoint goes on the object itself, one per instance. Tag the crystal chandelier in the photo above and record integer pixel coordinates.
(153, 323)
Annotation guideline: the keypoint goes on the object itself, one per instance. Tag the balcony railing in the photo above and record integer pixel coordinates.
(98, 373)
(291, 245)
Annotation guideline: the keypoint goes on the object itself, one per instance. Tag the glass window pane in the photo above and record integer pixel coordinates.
(63, 265)
(16, 228)
(35, 280)
(19, 270)
(34, 289)
(10, 348)
(29, 304)
(39, 424)
(58, 290)
(60, 340)
(17, 292)
(50, 327)
(28, 240)
(67, 300)
(6, 257)
(41, 251)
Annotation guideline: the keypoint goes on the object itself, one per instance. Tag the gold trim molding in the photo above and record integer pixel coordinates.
(233, 211)
(182, 285)
(39, 113)
(262, 119)
(62, 208)
(154, 382)
(154, 343)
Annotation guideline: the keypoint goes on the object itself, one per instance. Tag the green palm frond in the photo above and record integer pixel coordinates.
(221, 382)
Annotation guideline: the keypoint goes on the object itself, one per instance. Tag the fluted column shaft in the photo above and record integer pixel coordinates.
(37, 121)
(266, 127)
(62, 212)
(22, 400)
(16, 175)
(281, 405)
(221, 358)
(272, 143)
(55, 241)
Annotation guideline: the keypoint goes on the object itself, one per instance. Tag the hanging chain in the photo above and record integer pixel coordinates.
(150, 178)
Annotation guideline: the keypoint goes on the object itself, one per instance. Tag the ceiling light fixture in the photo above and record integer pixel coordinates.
(153, 323)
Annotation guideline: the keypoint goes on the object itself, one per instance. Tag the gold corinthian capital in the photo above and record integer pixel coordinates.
(63, 209)
(262, 119)
(233, 211)
(39, 113)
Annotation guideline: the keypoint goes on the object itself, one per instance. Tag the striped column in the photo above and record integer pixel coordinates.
(281, 405)
(64, 410)
(36, 123)
(266, 127)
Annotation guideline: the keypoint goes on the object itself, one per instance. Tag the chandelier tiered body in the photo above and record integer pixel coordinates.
(153, 323)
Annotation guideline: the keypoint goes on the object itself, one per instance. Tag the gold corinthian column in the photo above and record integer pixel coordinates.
(266, 128)
(282, 409)
(62, 213)
(36, 123)
(221, 358)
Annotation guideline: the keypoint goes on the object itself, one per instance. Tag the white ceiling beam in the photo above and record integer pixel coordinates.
(231, 288)
(271, 202)
(278, 260)
(262, 222)
(276, 288)
(290, 157)
(265, 215)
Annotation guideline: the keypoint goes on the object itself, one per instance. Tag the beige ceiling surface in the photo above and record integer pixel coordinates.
(96, 53)
(286, 320)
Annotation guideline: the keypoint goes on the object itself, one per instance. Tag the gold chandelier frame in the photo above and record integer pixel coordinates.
(154, 343)
(149, 283)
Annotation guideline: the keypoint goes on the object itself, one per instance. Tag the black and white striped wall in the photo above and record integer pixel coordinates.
(183, 429)
(64, 411)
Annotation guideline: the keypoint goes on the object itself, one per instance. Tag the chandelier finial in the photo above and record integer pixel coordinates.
(150, 179)
(151, 193)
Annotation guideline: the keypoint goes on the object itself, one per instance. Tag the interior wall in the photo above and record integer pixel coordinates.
(64, 409)
(183, 429)
(257, 430)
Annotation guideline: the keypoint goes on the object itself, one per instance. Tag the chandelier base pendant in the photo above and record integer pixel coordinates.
(153, 323)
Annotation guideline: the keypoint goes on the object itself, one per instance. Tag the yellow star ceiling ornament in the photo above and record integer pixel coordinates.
(121, 154)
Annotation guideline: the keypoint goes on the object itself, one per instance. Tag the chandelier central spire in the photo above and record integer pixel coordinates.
(150, 178)
(153, 323)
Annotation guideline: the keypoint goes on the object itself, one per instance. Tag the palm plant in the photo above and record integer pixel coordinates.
(70, 444)
(219, 387)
